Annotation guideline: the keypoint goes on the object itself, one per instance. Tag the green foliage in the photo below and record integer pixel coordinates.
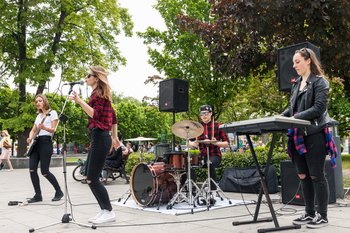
(38, 37)
(339, 106)
(180, 54)
(134, 159)
(242, 160)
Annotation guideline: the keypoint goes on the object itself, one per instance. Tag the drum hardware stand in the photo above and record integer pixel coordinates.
(128, 192)
(189, 182)
(66, 218)
(207, 183)
(179, 196)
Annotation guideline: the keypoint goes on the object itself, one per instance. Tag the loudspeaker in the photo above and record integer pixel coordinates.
(173, 95)
(291, 192)
(286, 73)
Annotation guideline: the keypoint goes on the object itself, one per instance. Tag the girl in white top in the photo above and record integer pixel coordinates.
(42, 131)
(5, 144)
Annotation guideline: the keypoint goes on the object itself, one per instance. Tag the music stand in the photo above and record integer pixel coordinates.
(66, 218)
(256, 127)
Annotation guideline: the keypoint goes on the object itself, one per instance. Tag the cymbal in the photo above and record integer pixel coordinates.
(207, 141)
(140, 139)
(187, 129)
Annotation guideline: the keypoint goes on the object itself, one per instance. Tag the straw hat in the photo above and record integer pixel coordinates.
(100, 73)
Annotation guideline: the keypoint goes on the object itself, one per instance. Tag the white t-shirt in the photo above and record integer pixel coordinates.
(47, 123)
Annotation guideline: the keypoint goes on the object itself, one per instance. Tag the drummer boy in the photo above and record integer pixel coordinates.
(212, 137)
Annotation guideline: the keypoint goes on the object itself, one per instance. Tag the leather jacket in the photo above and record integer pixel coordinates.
(314, 109)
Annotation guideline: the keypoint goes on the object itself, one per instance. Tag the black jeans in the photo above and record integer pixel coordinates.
(101, 143)
(312, 164)
(215, 162)
(42, 152)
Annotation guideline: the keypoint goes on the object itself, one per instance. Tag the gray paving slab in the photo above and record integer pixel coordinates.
(16, 186)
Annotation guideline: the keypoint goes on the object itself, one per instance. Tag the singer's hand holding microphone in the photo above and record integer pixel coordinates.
(75, 97)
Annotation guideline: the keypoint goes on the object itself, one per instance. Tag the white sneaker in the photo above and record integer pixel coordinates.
(97, 216)
(107, 216)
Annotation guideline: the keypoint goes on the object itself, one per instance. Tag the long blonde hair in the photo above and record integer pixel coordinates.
(103, 88)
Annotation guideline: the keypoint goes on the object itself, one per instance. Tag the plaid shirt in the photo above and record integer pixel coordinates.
(104, 115)
(208, 134)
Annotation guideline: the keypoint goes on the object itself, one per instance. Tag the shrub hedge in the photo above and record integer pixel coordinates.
(229, 159)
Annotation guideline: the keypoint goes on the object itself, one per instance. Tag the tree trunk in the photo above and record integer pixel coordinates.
(22, 142)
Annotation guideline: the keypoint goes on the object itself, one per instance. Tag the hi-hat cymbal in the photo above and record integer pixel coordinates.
(207, 141)
(140, 139)
(187, 129)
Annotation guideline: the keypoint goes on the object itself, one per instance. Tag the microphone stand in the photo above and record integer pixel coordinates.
(67, 217)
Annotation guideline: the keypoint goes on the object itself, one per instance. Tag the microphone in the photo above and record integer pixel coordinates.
(73, 83)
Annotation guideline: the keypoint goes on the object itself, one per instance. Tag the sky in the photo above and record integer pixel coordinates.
(129, 79)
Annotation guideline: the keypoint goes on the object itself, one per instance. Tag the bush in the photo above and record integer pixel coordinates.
(134, 159)
(245, 159)
(229, 159)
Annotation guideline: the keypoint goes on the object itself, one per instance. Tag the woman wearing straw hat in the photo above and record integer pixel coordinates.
(101, 120)
(5, 144)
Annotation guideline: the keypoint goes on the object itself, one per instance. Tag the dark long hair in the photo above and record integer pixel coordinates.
(315, 64)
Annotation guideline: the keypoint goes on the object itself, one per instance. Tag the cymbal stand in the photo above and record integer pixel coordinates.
(67, 217)
(207, 185)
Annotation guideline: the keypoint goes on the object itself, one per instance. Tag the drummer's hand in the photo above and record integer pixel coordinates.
(193, 143)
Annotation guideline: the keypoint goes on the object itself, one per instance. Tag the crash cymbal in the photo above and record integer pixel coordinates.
(207, 141)
(187, 129)
(140, 139)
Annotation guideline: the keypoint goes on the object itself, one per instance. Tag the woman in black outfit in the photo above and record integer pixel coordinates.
(102, 120)
(43, 128)
(308, 147)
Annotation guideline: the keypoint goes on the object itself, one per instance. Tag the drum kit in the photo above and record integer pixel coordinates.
(162, 182)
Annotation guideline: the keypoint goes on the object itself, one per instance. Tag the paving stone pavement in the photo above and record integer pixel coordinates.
(16, 186)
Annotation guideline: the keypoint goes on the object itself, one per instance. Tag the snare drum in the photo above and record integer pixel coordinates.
(195, 160)
(149, 183)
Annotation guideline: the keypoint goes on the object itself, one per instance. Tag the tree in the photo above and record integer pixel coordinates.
(38, 37)
(177, 53)
(246, 34)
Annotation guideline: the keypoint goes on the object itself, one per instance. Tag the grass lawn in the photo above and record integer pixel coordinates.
(73, 159)
(346, 169)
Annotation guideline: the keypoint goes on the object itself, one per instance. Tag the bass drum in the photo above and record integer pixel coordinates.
(151, 183)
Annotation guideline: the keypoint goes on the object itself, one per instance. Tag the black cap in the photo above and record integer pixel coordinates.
(205, 107)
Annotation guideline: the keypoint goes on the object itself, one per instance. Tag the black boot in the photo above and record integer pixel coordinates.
(2, 165)
(36, 198)
(58, 195)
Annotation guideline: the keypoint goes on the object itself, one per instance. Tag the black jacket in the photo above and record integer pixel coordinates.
(314, 109)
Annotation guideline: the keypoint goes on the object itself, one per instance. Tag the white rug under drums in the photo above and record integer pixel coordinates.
(182, 208)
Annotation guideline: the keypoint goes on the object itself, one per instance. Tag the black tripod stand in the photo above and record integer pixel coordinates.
(67, 217)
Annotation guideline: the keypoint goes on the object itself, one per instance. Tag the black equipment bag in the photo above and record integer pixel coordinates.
(247, 180)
